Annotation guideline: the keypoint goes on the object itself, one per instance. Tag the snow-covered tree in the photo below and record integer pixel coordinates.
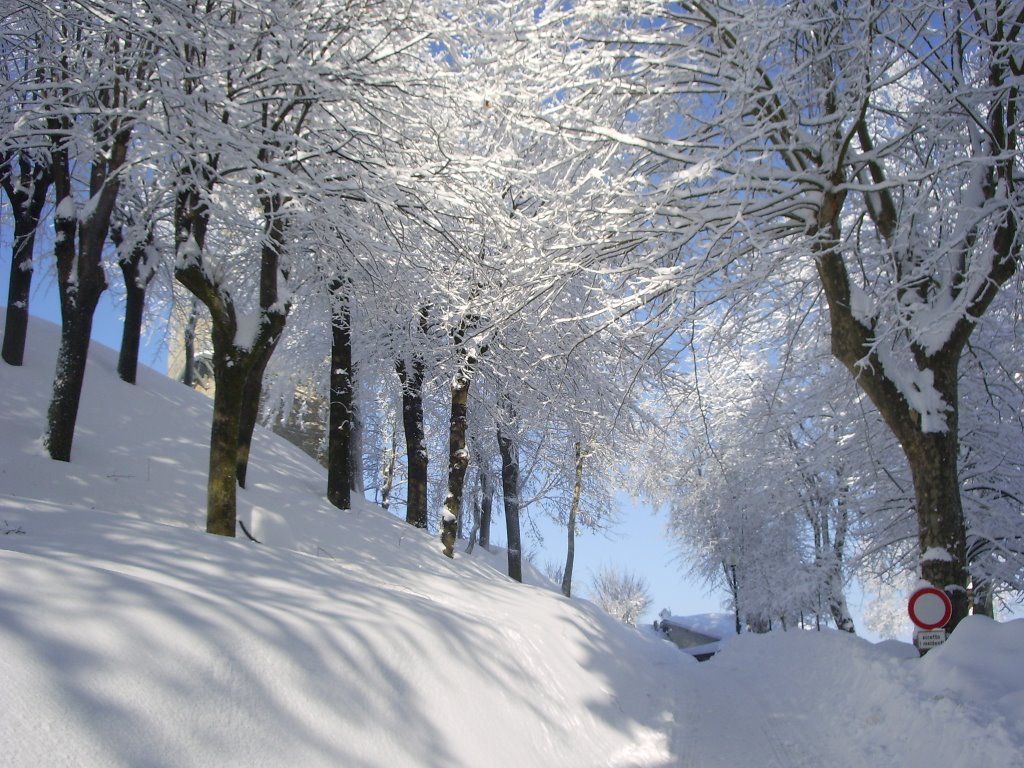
(97, 66)
(25, 172)
(621, 594)
(876, 142)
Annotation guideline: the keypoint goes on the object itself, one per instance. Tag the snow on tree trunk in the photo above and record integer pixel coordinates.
(931, 453)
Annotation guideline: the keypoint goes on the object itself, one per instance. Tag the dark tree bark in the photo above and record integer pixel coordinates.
(458, 452)
(415, 442)
(458, 456)
(411, 378)
(474, 529)
(80, 276)
(982, 601)
(229, 377)
(274, 318)
(574, 506)
(188, 374)
(732, 581)
(931, 455)
(250, 411)
(486, 507)
(510, 493)
(131, 334)
(136, 280)
(27, 198)
(232, 363)
(340, 427)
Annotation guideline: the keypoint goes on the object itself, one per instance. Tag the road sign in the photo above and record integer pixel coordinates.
(930, 608)
(929, 639)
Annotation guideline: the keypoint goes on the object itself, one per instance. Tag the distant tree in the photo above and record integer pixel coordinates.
(621, 594)
(574, 508)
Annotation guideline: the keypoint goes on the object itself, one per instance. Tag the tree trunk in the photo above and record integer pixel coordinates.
(574, 506)
(135, 287)
(510, 493)
(486, 505)
(834, 578)
(942, 531)
(415, 441)
(388, 471)
(19, 290)
(474, 531)
(250, 410)
(76, 329)
(80, 280)
(229, 376)
(356, 441)
(458, 456)
(27, 199)
(232, 362)
(188, 373)
(931, 450)
(131, 334)
(80, 291)
(258, 355)
(339, 430)
(931, 455)
(732, 581)
(982, 602)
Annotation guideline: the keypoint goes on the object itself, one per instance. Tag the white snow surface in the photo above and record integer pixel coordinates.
(129, 637)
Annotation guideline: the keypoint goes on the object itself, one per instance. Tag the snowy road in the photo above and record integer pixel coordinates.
(798, 699)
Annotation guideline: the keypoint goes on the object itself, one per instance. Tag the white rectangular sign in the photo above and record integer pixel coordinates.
(930, 639)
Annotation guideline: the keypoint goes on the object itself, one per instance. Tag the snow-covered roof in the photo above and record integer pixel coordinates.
(719, 625)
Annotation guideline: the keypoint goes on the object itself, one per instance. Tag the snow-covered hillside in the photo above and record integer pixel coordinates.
(128, 637)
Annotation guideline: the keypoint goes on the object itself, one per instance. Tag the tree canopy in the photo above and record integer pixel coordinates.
(758, 261)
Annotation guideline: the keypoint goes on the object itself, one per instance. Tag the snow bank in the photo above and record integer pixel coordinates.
(129, 637)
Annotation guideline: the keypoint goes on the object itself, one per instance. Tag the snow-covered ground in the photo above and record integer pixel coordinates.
(128, 637)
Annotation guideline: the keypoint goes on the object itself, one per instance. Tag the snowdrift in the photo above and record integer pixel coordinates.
(128, 637)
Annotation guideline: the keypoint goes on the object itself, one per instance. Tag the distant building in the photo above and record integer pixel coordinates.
(701, 636)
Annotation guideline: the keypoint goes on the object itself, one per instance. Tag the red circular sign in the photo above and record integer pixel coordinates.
(930, 608)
